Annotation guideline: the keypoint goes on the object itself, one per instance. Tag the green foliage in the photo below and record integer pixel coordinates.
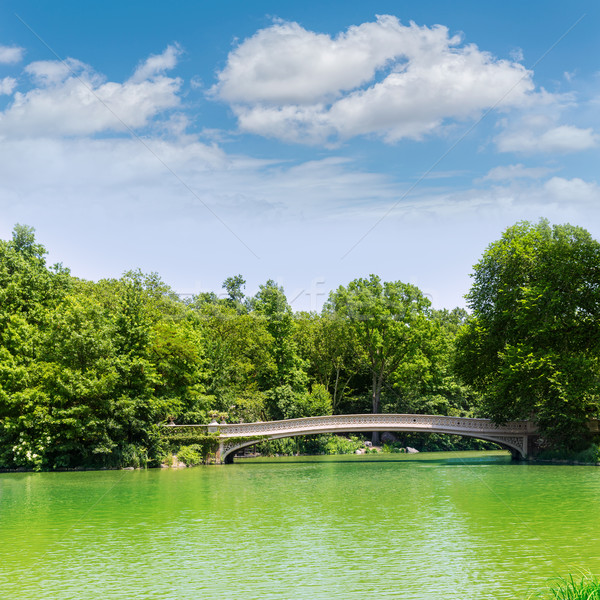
(88, 370)
(568, 588)
(337, 444)
(285, 403)
(390, 324)
(532, 347)
(270, 305)
(333, 356)
(435, 442)
(234, 286)
(239, 361)
(91, 371)
(281, 447)
(176, 437)
(249, 406)
(191, 455)
(311, 444)
(590, 455)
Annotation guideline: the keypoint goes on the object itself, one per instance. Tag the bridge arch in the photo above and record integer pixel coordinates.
(516, 436)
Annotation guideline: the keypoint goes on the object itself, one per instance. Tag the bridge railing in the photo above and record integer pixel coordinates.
(372, 422)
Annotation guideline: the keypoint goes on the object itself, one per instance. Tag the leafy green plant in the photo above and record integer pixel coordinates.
(589, 455)
(133, 456)
(191, 455)
(341, 445)
(567, 588)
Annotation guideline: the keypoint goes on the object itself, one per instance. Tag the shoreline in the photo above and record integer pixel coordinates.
(181, 465)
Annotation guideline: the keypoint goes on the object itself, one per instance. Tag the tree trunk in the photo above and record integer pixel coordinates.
(337, 378)
(375, 437)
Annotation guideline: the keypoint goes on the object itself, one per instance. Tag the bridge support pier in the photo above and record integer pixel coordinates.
(516, 455)
(219, 454)
(533, 446)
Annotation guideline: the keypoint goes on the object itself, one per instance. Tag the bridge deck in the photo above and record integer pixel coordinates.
(513, 435)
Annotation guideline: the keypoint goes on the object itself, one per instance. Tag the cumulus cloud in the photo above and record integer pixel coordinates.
(7, 85)
(10, 54)
(70, 98)
(380, 78)
(46, 73)
(574, 190)
(157, 64)
(562, 139)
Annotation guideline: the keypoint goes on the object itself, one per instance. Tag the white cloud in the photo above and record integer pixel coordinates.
(10, 54)
(298, 217)
(71, 99)
(286, 64)
(511, 172)
(561, 139)
(380, 78)
(516, 54)
(157, 64)
(7, 85)
(45, 73)
(574, 190)
(120, 177)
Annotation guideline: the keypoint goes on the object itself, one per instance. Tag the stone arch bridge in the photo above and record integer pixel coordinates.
(518, 436)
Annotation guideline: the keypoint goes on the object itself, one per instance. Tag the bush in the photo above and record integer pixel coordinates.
(311, 445)
(130, 455)
(191, 455)
(282, 447)
(589, 455)
(393, 448)
(341, 445)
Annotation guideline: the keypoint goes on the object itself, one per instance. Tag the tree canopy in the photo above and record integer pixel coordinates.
(390, 324)
(532, 346)
(89, 371)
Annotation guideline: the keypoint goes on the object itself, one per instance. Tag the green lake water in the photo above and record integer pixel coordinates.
(461, 525)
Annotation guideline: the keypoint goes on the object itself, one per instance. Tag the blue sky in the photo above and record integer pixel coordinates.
(310, 143)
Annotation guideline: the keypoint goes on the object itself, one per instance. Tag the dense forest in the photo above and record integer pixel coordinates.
(90, 371)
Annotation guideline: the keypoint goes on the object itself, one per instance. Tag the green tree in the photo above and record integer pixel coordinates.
(234, 286)
(271, 305)
(329, 347)
(238, 359)
(390, 323)
(288, 382)
(532, 347)
(29, 292)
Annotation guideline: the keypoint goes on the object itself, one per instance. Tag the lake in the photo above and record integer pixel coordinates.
(461, 525)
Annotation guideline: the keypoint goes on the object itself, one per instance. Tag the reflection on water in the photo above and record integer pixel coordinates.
(446, 525)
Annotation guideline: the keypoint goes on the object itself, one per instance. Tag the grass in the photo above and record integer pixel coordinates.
(588, 588)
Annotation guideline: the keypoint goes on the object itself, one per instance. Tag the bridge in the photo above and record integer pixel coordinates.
(518, 436)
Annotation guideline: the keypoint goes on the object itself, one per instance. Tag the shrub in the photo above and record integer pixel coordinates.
(131, 455)
(589, 455)
(191, 455)
(341, 445)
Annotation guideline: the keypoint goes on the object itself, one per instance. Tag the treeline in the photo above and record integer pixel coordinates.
(90, 371)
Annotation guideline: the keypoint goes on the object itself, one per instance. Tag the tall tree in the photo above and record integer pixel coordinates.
(390, 322)
(238, 359)
(532, 347)
(235, 289)
(29, 292)
(288, 383)
(329, 347)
